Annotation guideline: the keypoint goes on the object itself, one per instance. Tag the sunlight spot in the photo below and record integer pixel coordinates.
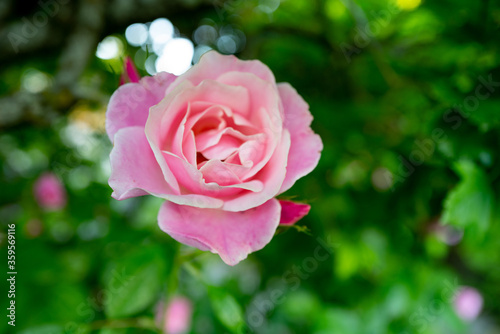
(408, 4)
(136, 34)
(109, 48)
(176, 56)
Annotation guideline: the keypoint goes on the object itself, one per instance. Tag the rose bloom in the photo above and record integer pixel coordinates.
(218, 143)
(468, 303)
(49, 192)
(176, 317)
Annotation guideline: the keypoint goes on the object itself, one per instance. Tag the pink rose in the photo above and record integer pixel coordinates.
(218, 143)
(176, 318)
(49, 192)
(468, 303)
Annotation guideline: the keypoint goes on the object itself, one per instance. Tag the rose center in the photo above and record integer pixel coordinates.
(220, 135)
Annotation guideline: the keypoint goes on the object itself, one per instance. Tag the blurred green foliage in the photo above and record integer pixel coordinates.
(406, 100)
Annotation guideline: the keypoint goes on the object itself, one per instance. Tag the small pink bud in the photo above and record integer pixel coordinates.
(292, 212)
(130, 73)
(49, 192)
(177, 316)
(468, 303)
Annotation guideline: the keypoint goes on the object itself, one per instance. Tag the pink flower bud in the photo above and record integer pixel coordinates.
(49, 192)
(292, 212)
(468, 303)
(130, 73)
(177, 316)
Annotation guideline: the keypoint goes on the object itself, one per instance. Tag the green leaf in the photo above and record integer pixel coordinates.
(133, 283)
(470, 203)
(227, 309)
(343, 321)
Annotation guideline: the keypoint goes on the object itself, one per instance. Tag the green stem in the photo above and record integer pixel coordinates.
(190, 268)
(173, 279)
(190, 256)
(180, 259)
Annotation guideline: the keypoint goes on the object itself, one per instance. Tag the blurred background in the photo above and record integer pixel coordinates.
(403, 235)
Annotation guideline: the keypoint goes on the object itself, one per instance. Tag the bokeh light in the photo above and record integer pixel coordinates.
(136, 34)
(205, 34)
(268, 6)
(161, 31)
(35, 81)
(176, 57)
(110, 47)
(150, 64)
(162, 48)
(199, 51)
(227, 44)
(408, 4)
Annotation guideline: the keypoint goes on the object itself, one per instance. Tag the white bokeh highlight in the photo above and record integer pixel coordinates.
(110, 47)
(176, 56)
(136, 34)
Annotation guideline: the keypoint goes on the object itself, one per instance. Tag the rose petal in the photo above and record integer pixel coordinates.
(261, 93)
(164, 121)
(213, 137)
(135, 171)
(165, 118)
(306, 146)
(129, 105)
(205, 110)
(265, 114)
(193, 180)
(292, 212)
(215, 171)
(271, 176)
(226, 146)
(212, 65)
(183, 142)
(189, 148)
(232, 235)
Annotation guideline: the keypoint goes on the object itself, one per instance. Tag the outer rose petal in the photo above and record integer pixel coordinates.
(212, 65)
(292, 212)
(135, 171)
(232, 235)
(306, 146)
(129, 105)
